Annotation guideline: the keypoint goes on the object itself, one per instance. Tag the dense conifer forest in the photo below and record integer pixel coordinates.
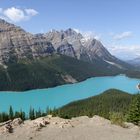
(112, 104)
(103, 105)
(48, 72)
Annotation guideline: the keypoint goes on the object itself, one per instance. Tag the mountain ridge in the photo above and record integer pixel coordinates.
(31, 61)
(17, 44)
(135, 62)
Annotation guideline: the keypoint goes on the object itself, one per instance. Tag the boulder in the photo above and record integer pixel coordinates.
(8, 128)
(41, 122)
(17, 121)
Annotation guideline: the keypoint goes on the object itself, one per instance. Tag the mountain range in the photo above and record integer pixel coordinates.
(17, 44)
(29, 61)
(135, 62)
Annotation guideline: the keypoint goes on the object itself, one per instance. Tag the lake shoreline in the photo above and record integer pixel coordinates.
(61, 95)
(19, 92)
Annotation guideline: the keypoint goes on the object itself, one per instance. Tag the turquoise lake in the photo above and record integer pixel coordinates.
(61, 95)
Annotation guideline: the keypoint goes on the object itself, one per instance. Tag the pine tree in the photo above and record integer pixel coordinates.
(17, 114)
(134, 111)
(4, 117)
(38, 113)
(11, 113)
(22, 115)
(31, 114)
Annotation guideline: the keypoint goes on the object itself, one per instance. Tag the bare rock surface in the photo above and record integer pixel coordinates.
(80, 128)
(16, 44)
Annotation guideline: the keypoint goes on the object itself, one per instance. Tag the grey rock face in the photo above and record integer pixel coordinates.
(66, 49)
(81, 48)
(17, 44)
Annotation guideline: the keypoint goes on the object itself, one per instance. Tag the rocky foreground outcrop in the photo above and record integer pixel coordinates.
(83, 128)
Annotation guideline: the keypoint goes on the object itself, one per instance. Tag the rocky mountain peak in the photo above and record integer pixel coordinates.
(72, 32)
(2, 21)
(16, 44)
(6, 26)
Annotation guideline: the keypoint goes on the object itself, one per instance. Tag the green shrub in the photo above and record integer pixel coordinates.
(117, 118)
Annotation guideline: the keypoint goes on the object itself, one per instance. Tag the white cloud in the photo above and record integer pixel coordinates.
(14, 14)
(125, 52)
(31, 12)
(122, 35)
(17, 14)
(89, 34)
(122, 49)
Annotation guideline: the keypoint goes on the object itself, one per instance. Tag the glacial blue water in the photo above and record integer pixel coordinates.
(61, 95)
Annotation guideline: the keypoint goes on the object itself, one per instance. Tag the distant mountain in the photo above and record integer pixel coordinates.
(73, 44)
(16, 44)
(29, 61)
(135, 62)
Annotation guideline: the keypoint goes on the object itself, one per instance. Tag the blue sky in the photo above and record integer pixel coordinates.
(114, 22)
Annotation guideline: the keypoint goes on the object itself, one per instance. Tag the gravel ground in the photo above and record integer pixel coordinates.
(81, 128)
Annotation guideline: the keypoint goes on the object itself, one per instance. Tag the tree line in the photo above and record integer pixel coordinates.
(113, 104)
(32, 114)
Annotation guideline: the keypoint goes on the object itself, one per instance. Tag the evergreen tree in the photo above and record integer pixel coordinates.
(11, 113)
(22, 115)
(47, 110)
(17, 114)
(31, 114)
(134, 111)
(38, 113)
(4, 117)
